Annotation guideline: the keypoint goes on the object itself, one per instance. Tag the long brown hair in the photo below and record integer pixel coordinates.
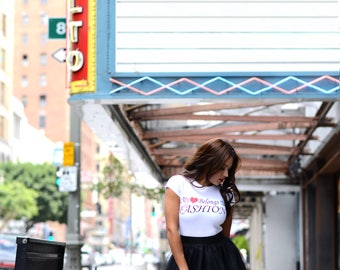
(209, 159)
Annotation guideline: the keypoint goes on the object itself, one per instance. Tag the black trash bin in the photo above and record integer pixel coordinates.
(37, 254)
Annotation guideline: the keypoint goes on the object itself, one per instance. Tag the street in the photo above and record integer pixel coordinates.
(127, 267)
(122, 267)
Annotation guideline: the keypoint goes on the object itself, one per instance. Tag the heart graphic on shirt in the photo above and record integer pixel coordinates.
(193, 200)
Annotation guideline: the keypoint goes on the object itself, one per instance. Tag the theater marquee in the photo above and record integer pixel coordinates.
(148, 50)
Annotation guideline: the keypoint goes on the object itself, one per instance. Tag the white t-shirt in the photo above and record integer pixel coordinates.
(202, 210)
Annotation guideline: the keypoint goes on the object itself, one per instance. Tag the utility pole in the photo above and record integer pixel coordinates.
(73, 239)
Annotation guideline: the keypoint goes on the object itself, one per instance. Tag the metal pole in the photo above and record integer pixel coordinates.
(73, 239)
(131, 229)
(131, 175)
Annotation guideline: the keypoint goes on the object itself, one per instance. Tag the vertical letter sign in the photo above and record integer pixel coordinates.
(82, 45)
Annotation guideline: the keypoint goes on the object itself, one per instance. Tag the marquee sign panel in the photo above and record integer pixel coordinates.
(137, 48)
(227, 36)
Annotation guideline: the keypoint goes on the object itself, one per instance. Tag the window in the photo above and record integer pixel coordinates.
(25, 2)
(43, 80)
(25, 18)
(17, 121)
(2, 59)
(3, 24)
(43, 1)
(42, 100)
(43, 38)
(43, 59)
(42, 121)
(2, 93)
(24, 39)
(25, 60)
(43, 18)
(24, 81)
(24, 100)
(2, 127)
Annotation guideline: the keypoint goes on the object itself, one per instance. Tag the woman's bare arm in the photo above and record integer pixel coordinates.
(171, 210)
(226, 226)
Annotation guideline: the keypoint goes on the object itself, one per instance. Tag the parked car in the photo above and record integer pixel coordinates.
(8, 250)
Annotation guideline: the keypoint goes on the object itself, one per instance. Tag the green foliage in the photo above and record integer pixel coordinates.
(112, 183)
(52, 204)
(117, 179)
(150, 193)
(17, 201)
(241, 242)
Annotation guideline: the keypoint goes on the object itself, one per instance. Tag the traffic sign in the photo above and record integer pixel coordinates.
(58, 157)
(60, 55)
(57, 28)
(68, 179)
(68, 154)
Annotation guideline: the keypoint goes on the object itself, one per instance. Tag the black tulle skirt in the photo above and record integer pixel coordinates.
(209, 253)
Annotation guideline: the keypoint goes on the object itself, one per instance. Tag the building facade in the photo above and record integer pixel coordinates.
(33, 87)
(6, 70)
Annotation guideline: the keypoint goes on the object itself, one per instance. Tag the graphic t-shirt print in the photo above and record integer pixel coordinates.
(194, 205)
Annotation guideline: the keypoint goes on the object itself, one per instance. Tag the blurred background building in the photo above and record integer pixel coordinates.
(35, 122)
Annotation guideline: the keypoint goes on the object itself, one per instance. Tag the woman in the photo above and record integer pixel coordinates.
(198, 210)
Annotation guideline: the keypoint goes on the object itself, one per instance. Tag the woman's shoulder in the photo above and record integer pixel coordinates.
(178, 180)
(178, 177)
(177, 183)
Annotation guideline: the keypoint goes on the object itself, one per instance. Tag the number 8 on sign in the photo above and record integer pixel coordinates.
(61, 28)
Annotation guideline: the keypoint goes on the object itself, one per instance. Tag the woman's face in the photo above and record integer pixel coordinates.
(218, 177)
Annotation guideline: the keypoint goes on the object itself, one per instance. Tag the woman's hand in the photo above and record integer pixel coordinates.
(171, 210)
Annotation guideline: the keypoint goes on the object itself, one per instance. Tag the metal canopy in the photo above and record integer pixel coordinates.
(271, 137)
(275, 139)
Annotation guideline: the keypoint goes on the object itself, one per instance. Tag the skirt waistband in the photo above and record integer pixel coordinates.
(201, 240)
